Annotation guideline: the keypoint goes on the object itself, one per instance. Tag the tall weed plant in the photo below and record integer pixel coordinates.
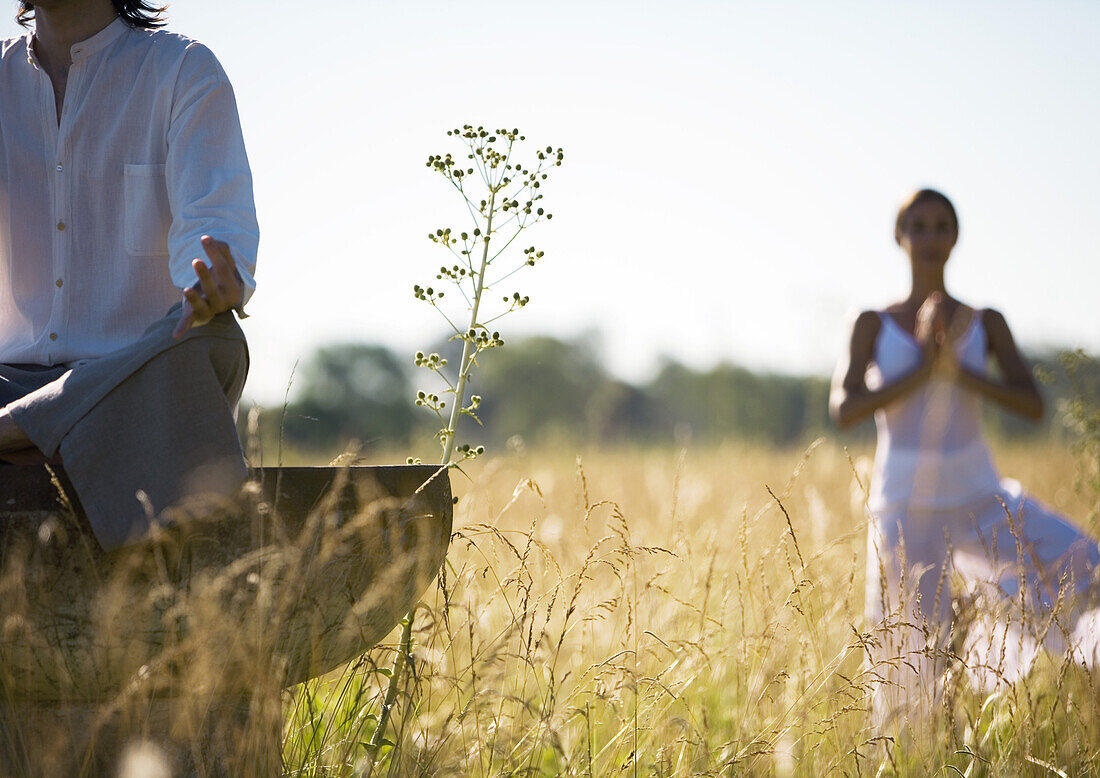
(502, 198)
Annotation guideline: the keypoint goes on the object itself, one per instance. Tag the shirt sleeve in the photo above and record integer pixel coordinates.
(209, 181)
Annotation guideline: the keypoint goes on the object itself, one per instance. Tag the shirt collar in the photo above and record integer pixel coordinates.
(85, 48)
(99, 41)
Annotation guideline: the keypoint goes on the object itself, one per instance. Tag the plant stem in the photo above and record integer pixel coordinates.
(379, 733)
(405, 646)
(464, 363)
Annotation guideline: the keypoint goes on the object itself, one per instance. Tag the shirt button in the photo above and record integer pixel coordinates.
(60, 168)
(59, 283)
(53, 336)
(61, 226)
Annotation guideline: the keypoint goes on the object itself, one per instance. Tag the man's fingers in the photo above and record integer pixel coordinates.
(186, 320)
(201, 310)
(211, 289)
(218, 288)
(224, 269)
(221, 258)
(215, 250)
(214, 246)
(183, 326)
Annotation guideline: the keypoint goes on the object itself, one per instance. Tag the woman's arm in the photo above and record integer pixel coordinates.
(1018, 393)
(850, 401)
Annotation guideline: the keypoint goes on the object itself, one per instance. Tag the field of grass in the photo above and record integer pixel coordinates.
(676, 613)
(634, 611)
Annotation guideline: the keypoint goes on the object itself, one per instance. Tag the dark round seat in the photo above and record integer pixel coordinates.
(308, 569)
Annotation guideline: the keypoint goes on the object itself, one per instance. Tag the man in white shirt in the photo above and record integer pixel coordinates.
(122, 167)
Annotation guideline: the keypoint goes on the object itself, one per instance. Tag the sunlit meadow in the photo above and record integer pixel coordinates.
(678, 612)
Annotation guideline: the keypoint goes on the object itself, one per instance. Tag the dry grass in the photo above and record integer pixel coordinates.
(663, 613)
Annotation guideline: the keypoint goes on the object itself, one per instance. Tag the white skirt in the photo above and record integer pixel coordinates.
(1004, 551)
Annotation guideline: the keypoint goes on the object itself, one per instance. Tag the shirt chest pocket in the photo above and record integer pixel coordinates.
(148, 214)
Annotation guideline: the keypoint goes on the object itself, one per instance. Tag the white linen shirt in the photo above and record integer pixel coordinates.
(101, 216)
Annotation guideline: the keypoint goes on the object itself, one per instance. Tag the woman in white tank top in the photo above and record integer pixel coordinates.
(941, 518)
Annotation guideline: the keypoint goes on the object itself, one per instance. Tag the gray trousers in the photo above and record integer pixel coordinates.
(142, 429)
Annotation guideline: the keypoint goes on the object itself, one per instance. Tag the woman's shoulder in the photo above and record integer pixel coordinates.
(994, 323)
(866, 326)
(991, 316)
(868, 317)
(901, 313)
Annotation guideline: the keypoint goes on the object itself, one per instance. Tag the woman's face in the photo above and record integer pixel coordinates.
(928, 233)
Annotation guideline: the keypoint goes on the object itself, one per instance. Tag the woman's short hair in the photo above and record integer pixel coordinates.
(136, 13)
(920, 196)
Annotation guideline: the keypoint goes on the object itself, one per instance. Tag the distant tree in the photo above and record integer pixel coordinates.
(350, 391)
(1058, 389)
(537, 387)
(731, 401)
(617, 412)
(542, 387)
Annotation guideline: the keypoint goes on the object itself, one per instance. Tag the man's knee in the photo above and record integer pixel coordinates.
(225, 359)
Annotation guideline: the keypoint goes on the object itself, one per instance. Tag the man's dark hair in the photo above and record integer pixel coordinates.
(136, 13)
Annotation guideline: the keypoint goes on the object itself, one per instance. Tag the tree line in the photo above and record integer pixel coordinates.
(544, 389)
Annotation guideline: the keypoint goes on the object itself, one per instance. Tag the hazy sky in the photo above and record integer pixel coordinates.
(731, 176)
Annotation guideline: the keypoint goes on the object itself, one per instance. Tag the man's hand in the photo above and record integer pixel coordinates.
(218, 289)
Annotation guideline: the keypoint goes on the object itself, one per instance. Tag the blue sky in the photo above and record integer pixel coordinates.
(732, 168)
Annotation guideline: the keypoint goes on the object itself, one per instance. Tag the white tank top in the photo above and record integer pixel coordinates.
(931, 452)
